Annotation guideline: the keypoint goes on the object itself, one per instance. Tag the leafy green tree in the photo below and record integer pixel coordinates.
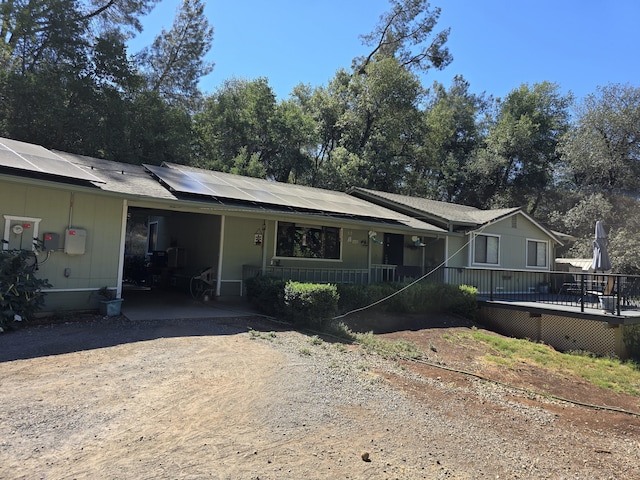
(516, 166)
(174, 63)
(242, 125)
(600, 171)
(51, 32)
(452, 134)
(602, 151)
(367, 126)
(404, 33)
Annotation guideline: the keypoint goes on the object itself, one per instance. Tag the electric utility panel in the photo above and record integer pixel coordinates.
(20, 235)
(75, 241)
(51, 241)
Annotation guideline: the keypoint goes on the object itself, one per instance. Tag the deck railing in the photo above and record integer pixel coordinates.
(611, 292)
(607, 291)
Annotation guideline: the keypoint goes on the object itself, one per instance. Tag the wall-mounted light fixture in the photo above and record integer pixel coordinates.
(416, 242)
(258, 236)
(374, 237)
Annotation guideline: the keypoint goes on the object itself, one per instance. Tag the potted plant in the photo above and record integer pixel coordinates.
(109, 304)
(543, 287)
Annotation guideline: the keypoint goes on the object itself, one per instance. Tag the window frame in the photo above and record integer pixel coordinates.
(547, 254)
(473, 249)
(302, 226)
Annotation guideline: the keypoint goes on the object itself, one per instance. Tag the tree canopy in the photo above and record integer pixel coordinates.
(68, 82)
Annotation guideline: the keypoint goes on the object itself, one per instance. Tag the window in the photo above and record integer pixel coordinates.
(537, 254)
(304, 241)
(485, 249)
(152, 237)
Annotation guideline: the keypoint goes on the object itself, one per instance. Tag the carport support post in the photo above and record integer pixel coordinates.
(123, 240)
(264, 240)
(369, 260)
(220, 252)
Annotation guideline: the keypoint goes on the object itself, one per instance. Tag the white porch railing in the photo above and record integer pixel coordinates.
(379, 273)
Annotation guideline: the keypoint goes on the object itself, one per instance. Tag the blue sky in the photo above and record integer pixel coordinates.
(497, 44)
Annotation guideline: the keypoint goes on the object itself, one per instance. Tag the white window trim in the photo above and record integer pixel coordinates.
(526, 254)
(473, 249)
(297, 259)
(7, 225)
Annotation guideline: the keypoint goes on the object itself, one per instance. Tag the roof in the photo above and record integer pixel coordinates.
(234, 192)
(582, 264)
(186, 181)
(447, 215)
(450, 213)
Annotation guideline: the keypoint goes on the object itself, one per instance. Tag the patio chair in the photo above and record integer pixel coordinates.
(629, 290)
(570, 287)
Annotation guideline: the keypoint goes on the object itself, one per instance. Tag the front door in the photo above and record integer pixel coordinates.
(393, 251)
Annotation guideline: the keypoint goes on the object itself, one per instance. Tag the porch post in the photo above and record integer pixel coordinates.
(123, 238)
(264, 251)
(220, 252)
(369, 260)
(446, 259)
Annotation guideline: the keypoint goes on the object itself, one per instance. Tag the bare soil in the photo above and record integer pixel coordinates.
(245, 398)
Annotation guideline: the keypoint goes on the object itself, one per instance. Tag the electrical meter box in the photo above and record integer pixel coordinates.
(20, 235)
(51, 241)
(75, 241)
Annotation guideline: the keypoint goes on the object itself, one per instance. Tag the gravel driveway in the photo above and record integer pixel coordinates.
(246, 399)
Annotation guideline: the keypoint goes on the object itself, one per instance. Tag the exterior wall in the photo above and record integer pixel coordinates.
(562, 333)
(513, 241)
(239, 249)
(100, 216)
(457, 244)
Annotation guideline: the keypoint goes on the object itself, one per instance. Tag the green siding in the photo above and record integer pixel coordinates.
(100, 216)
(513, 241)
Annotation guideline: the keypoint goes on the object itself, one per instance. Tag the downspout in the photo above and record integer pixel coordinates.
(123, 237)
(220, 252)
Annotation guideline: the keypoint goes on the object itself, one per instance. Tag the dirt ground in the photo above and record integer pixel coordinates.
(247, 399)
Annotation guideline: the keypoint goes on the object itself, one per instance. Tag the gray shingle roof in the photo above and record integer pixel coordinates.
(447, 212)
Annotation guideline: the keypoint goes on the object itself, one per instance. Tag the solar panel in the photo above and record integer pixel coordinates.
(226, 186)
(37, 159)
(178, 181)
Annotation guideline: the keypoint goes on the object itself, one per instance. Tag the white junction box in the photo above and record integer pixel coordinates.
(75, 241)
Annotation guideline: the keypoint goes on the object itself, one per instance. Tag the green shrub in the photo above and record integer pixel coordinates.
(631, 339)
(20, 290)
(354, 296)
(309, 303)
(266, 294)
(426, 297)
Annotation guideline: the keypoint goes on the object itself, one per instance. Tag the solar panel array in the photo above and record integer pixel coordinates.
(183, 179)
(37, 159)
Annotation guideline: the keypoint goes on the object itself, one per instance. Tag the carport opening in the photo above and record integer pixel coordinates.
(172, 252)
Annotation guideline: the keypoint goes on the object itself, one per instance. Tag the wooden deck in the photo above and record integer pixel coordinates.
(592, 311)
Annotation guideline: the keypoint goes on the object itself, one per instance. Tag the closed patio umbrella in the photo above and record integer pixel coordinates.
(602, 262)
(601, 259)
